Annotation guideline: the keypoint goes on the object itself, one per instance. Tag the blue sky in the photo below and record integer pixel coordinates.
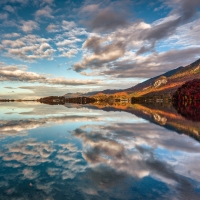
(51, 47)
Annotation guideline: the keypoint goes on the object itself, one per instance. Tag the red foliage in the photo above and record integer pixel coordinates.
(188, 91)
(186, 100)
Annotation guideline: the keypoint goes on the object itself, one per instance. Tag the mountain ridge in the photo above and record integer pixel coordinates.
(166, 83)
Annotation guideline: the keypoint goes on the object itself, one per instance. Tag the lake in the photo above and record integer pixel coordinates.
(96, 152)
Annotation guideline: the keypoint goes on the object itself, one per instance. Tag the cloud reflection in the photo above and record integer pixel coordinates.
(135, 150)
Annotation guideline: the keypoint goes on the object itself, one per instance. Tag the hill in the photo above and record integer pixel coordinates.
(167, 83)
(151, 81)
(164, 84)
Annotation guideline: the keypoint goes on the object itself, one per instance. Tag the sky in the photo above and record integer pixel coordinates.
(54, 47)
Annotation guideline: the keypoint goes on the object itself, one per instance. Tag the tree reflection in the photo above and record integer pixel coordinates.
(186, 100)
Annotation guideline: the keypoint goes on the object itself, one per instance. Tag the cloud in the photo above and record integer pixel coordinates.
(30, 47)
(102, 50)
(29, 26)
(106, 20)
(1, 47)
(103, 55)
(13, 43)
(155, 64)
(14, 1)
(17, 73)
(9, 8)
(52, 28)
(9, 88)
(68, 42)
(3, 16)
(49, 2)
(185, 12)
(44, 12)
(68, 25)
(11, 35)
(185, 36)
(92, 8)
(70, 53)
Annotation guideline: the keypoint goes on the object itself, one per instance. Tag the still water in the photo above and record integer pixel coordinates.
(86, 152)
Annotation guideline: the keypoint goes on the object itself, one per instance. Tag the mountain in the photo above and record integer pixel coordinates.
(73, 95)
(167, 83)
(164, 84)
(151, 81)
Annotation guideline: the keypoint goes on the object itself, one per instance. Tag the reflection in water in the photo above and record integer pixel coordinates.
(88, 153)
(189, 110)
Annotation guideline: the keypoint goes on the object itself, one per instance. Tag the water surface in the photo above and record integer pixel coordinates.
(83, 152)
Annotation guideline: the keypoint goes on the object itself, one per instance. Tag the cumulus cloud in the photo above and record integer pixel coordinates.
(13, 43)
(11, 35)
(102, 50)
(29, 26)
(44, 12)
(104, 54)
(70, 53)
(30, 47)
(52, 28)
(67, 25)
(155, 64)
(67, 42)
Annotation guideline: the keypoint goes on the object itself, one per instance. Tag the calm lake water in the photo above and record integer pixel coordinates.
(83, 152)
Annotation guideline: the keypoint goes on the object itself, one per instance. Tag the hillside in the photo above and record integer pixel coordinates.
(165, 84)
(88, 94)
(151, 81)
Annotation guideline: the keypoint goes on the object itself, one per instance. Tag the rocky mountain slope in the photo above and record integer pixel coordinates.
(163, 84)
(167, 83)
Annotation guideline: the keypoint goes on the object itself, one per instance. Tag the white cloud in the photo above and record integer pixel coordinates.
(13, 43)
(11, 35)
(90, 8)
(68, 42)
(30, 47)
(29, 26)
(52, 28)
(70, 53)
(44, 12)
(18, 73)
(67, 25)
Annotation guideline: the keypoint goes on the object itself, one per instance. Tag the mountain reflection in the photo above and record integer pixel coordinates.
(185, 121)
(88, 153)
